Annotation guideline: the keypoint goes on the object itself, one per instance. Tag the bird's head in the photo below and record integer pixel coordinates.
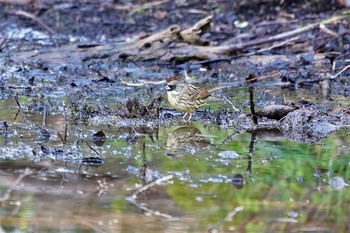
(175, 84)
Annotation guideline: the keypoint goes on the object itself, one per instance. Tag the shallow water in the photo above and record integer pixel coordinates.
(215, 179)
(254, 183)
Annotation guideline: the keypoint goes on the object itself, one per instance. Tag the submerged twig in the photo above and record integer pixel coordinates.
(228, 218)
(93, 149)
(149, 210)
(132, 198)
(6, 196)
(229, 138)
(230, 103)
(150, 185)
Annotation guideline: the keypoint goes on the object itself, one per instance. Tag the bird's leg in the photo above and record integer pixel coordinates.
(189, 118)
(184, 117)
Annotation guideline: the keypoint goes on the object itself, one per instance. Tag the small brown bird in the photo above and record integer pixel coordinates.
(185, 97)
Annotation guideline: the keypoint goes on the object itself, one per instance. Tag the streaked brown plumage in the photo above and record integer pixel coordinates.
(185, 97)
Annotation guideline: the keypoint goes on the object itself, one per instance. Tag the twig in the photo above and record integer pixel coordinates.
(17, 102)
(251, 153)
(62, 139)
(149, 210)
(7, 193)
(230, 137)
(254, 79)
(228, 218)
(252, 105)
(132, 198)
(270, 39)
(230, 103)
(136, 7)
(281, 36)
(36, 19)
(150, 185)
(93, 149)
(327, 30)
(142, 83)
(89, 225)
(44, 125)
(334, 76)
(21, 2)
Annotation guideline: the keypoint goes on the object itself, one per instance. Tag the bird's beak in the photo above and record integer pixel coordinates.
(168, 88)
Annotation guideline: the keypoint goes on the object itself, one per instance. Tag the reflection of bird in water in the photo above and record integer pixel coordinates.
(184, 138)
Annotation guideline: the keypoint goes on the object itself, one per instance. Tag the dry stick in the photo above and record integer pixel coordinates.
(280, 44)
(284, 35)
(66, 122)
(328, 31)
(17, 102)
(276, 74)
(230, 103)
(150, 185)
(135, 7)
(36, 19)
(62, 139)
(229, 138)
(251, 100)
(346, 67)
(7, 194)
(93, 149)
(3, 42)
(44, 125)
(21, 2)
(141, 83)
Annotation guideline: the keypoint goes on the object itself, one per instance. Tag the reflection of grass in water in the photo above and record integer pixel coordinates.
(272, 190)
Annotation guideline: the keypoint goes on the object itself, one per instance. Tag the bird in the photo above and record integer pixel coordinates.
(185, 97)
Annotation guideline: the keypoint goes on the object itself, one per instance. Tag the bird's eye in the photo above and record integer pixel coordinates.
(171, 87)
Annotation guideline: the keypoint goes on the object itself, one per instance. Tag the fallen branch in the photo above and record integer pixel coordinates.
(281, 36)
(173, 44)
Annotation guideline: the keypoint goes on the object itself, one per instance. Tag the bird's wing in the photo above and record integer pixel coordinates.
(196, 93)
